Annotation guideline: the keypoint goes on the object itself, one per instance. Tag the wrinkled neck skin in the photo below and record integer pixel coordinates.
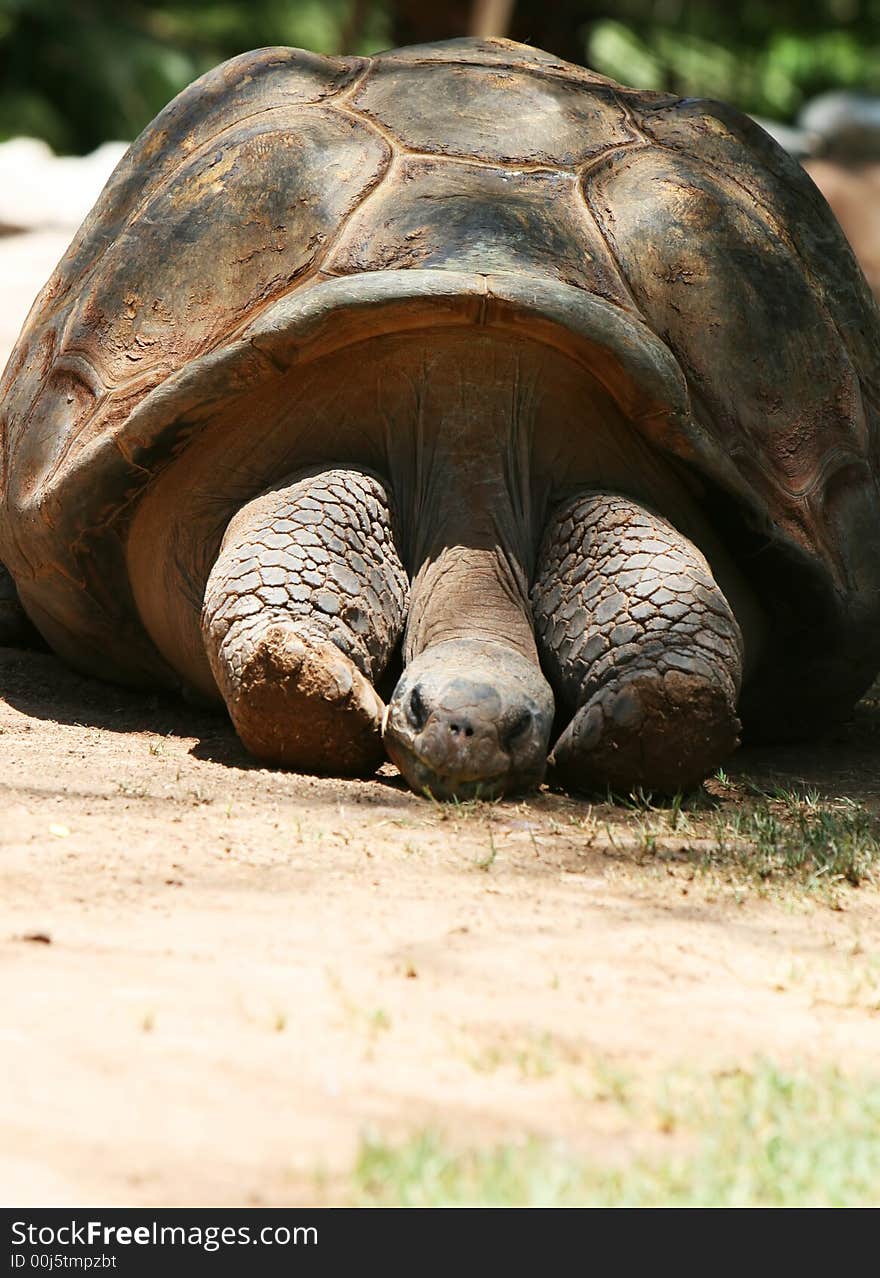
(470, 546)
(472, 713)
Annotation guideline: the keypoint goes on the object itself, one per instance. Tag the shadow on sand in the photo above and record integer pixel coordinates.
(843, 764)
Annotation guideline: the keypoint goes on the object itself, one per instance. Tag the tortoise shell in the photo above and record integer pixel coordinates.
(285, 205)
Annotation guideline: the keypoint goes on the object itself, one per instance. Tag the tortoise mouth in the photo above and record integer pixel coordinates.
(423, 776)
(469, 714)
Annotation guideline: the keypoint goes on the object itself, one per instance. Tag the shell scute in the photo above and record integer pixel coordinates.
(776, 389)
(243, 88)
(497, 114)
(232, 231)
(430, 213)
(789, 203)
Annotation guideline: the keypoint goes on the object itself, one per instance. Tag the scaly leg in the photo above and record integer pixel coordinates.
(303, 609)
(640, 646)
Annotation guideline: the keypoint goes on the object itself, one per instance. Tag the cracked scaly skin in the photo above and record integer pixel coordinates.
(303, 610)
(640, 645)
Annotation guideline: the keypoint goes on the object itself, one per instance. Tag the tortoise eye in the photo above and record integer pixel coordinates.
(522, 721)
(417, 711)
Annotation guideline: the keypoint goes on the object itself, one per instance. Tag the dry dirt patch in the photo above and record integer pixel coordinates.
(216, 977)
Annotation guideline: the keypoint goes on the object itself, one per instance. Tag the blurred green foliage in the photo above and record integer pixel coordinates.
(767, 56)
(76, 72)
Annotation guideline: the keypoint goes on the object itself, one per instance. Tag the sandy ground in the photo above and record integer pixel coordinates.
(215, 978)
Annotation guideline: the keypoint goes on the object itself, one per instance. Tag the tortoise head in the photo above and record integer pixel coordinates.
(470, 719)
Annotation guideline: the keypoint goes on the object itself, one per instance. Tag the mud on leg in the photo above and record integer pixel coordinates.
(303, 610)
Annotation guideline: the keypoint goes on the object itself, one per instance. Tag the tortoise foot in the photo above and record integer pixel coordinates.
(301, 703)
(303, 611)
(641, 647)
(663, 733)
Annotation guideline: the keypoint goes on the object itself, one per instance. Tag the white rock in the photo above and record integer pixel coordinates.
(847, 125)
(26, 262)
(39, 189)
(797, 142)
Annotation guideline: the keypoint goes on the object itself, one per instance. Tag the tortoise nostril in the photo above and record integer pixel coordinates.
(417, 711)
(464, 728)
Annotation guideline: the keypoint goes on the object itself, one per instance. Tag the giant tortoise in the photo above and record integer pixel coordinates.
(459, 403)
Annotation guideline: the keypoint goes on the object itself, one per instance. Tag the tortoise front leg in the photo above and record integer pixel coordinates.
(640, 645)
(303, 609)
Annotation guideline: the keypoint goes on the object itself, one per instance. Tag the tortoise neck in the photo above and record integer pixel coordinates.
(469, 592)
(470, 557)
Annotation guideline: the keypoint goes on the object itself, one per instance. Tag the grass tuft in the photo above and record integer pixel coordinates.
(806, 841)
(753, 1137)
